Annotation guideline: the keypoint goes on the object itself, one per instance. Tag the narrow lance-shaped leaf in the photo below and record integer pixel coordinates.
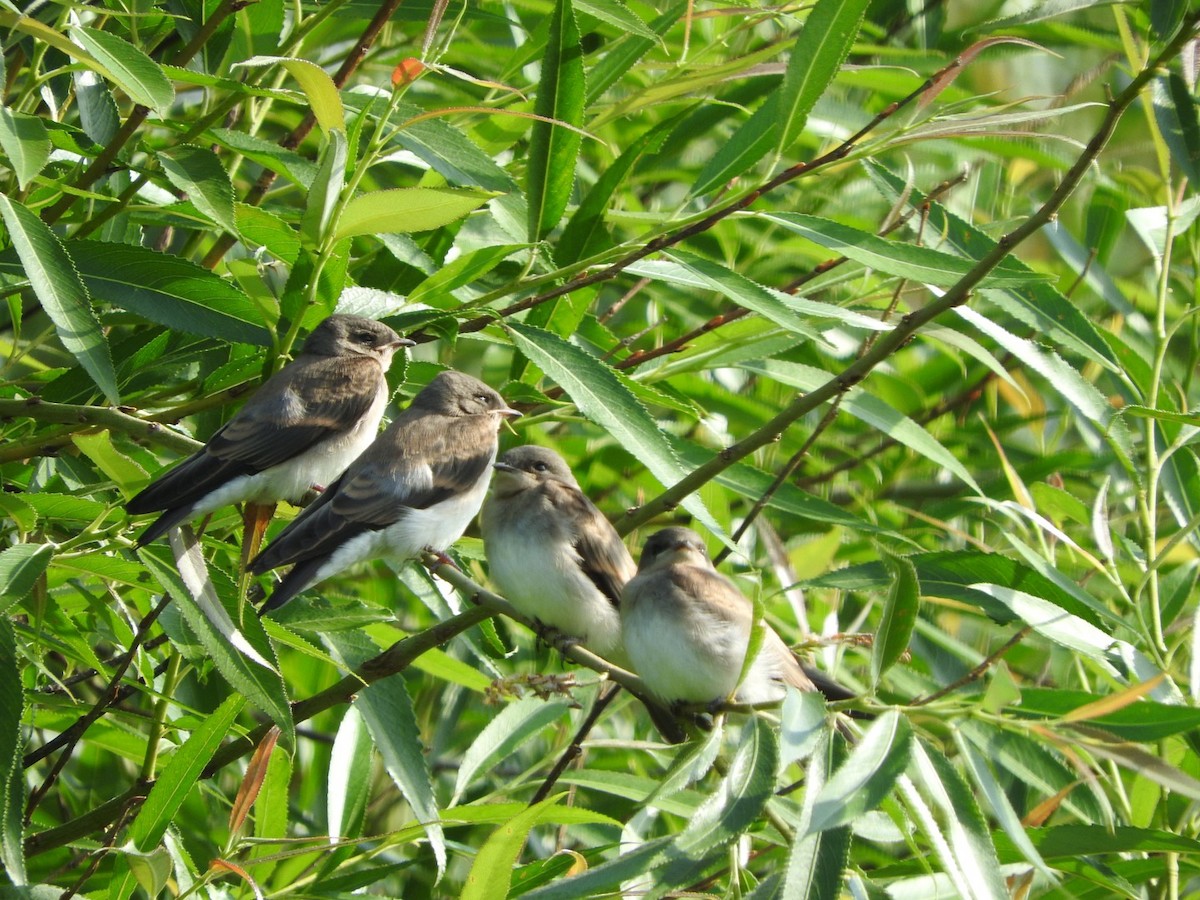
(970, 840)
(64, 298)
(387, 710)
(899, 616)
(169, 290)
(198, 172)
(25, 142)
(600, 396)
(326, 189)
(818, 54)
(818, 859)
(181, 774)
(1175, 110)
(405, 210)
(134, 72)
(553, 150)
(319, 90)
(867, 775)
(20, 567)
(12, 782)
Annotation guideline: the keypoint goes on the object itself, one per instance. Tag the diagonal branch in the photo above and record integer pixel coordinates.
(913, 322)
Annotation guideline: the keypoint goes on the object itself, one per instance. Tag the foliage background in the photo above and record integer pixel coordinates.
(898, 298)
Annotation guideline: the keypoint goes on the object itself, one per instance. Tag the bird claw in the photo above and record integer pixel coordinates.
(443, 559)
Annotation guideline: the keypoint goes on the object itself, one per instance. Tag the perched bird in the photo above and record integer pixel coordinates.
(418, 486)
(686, 628)
(299, 430)
(552, 553)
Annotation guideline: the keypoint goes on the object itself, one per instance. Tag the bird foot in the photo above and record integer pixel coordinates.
(443, 559)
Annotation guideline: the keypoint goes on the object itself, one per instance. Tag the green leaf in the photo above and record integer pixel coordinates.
(133, 71)
(895, 258)
(387, 710)
(970, 842)
(64, 298)
(600, 396)
(584, 233)
(25, 142)
(818, 859)
(750, 143)
(1078, 391)
(1040, 306)
(491, 873)
(899, 616)
(617, 14)
(182, 774)
(349, 786)
(618, 58)
(21, 565)
(871, 410)
(742, 291)
(12, 780)
(239, 650)
(516, 724)
(326, 189)
(319, 90)
(1002, 809)
(867, 776)
(1175, 110)
(405, 210)
(823, 45)
(125, 473)
(169, 290)
(198, 172)
(669, 863)
(1142, 721)
(435, 290)
(553, 149)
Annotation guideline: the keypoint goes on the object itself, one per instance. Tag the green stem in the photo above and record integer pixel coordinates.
(170, 682)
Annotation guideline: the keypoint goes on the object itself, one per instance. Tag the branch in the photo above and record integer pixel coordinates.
(85, 418)
(913, 322)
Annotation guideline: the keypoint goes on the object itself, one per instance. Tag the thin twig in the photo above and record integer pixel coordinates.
(976, 673)
(576, 745)
(69, 738)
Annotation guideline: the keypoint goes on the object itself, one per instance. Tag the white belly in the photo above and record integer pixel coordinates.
(681, 661)
(541, 577)
(319, 465)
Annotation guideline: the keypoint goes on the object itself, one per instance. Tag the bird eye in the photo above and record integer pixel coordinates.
(364, 337)
(482, 398)
(540, 467)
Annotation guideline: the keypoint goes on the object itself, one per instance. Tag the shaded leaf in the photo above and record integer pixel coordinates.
(25, 142)
(553, 150)
(198, 172)
(62, 295)
(134, 72)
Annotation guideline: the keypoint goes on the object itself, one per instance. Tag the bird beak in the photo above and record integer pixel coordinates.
(402, 342)
(504, 467)
(508, 413)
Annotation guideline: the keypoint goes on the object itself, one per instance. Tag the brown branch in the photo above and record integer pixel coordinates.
(576, 746)
(958, 294)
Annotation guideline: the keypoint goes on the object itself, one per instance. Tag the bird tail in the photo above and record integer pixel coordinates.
(295, 581)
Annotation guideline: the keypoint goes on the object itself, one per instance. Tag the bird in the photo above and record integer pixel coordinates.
(298, 431)
(418, 486)
(686, 628)
(552, 553)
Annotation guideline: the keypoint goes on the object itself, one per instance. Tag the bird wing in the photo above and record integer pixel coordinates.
(421, 459)
(316, 400)
(713, 596)
(603, 557)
